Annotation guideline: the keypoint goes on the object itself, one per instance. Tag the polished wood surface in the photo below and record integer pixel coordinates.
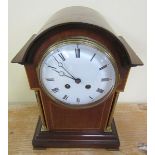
(130, 121)
(135, 60)
(21, 56)
(75, 139)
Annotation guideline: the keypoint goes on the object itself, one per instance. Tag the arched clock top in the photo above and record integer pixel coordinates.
(26, 54)
(72, 18)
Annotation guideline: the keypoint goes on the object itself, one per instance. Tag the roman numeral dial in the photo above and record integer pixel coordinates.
(93, 57)
(50, 79)
(77, 73)
(105, 79)
(78, 100)
(99, 90)
(61, 56)
(101, 68)
(77, 52)
(55, 90)
(65, 97)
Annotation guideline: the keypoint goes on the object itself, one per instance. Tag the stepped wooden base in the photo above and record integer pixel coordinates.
(75, 139)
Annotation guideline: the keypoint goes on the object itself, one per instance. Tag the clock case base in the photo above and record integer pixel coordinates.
(75, 139)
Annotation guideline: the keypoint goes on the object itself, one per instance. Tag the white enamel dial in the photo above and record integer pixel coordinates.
(77, 73)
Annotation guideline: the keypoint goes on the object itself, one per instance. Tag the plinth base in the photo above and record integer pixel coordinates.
(75, 139)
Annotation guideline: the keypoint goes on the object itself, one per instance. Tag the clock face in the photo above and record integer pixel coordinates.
(77, 73)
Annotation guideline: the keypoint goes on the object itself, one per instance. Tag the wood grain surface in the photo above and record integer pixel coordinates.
(130, 121)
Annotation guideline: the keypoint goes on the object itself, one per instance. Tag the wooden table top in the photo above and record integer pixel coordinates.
(130, 119)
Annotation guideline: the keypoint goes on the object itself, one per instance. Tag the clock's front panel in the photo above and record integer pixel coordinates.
(77, 78)
(77, 73)
(60, 117)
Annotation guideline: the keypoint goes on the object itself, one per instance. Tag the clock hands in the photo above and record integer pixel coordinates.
(61, 73)
(77, 80)
(61, 65)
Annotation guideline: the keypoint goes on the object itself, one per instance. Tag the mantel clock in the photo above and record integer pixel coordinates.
(77, 68)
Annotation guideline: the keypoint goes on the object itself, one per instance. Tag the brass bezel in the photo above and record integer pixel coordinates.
(89, 42)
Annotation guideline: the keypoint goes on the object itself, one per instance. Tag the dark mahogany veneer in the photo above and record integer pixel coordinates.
(76, 127)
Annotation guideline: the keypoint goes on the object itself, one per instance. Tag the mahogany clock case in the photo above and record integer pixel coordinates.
(83, 122)
(60, 117)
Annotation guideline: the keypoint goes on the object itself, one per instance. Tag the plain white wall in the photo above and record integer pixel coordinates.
(126, 17)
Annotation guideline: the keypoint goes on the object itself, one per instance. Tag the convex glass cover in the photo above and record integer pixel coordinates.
(77, 72)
